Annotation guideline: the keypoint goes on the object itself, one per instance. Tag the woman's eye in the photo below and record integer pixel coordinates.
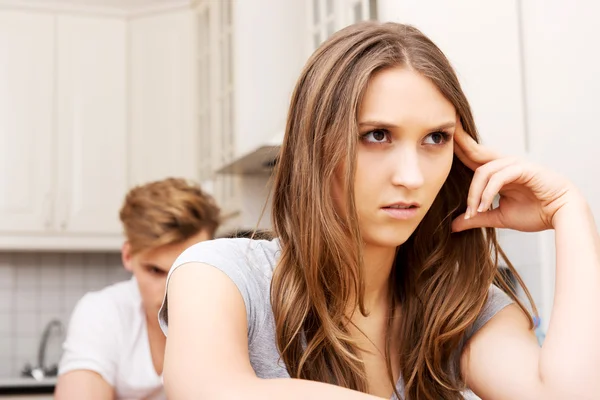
(376, 136)
(436, 138)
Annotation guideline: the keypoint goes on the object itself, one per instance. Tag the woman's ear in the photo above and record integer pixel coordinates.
(126, 256)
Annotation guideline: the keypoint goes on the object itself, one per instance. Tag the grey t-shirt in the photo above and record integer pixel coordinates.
(249, 264)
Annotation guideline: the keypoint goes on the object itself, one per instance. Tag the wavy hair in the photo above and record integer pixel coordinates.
(440, 280)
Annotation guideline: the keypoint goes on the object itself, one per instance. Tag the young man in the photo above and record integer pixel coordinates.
(114, 347)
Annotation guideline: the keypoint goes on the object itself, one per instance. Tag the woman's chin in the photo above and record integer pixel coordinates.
(391, 239)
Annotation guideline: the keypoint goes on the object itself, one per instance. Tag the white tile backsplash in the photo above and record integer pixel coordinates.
(26, 301)
(6, 301)
(36, 288)
(7, 272)
(6, 321)
(27, 274)
(26, 323)
(50, 299)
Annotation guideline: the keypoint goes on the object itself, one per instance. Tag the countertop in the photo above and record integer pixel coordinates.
(23, 388)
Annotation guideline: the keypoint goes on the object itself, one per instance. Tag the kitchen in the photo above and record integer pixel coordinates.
(97, 96)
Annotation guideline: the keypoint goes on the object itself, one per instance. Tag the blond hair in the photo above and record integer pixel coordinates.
(167, 212)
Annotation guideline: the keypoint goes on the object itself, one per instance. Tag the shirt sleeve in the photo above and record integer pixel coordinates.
(243, 261)
(497, 300)
(92, 341)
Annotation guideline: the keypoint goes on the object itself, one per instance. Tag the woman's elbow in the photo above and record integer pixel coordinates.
(190, 385)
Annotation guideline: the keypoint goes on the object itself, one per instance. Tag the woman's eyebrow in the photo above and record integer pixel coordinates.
(379, 124)
(389, 125)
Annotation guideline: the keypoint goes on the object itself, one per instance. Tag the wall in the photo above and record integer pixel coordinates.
(36, 288)
(562, 83)
(481, 41)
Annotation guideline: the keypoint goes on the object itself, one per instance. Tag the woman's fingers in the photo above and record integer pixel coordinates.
(491, 219)
(464, 159)
(471, 153)
(497, 181)
(479, 199)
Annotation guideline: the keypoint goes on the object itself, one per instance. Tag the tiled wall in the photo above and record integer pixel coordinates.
(36, 288)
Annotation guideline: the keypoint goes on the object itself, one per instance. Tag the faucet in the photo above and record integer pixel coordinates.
(41, 371)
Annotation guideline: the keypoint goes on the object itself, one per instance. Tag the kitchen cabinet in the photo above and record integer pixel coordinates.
(164, 138)
(90, 105)
(91, 124)
(63, 139)
(249, 79)
(27, 153)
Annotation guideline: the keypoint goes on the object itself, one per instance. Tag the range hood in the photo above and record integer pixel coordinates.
(259, 161)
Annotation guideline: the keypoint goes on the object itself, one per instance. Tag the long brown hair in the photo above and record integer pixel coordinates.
(440, 280)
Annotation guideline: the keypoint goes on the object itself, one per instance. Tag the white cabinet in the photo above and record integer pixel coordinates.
(164, 125)
(27, 152)
(251, 82)
(92, 137)
(89, 106)
(63, 139)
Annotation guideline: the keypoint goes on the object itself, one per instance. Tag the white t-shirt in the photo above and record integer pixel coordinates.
(108, 335)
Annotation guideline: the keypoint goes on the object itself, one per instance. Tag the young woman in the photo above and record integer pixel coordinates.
(115, 348)
(381, 281)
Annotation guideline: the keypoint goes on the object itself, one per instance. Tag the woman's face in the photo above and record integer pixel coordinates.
(404, 155)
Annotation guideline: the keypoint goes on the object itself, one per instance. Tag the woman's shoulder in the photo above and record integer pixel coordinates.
(240, 254)
(249, 264)
(496, 301)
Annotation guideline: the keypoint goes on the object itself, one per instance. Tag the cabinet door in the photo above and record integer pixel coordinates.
(26, 122)
(92, 105)
(164, 138)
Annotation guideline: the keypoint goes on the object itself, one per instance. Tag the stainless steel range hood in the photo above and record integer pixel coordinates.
(259, 161)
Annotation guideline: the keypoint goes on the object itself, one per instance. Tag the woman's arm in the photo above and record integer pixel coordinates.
(502, 360)
(207, 345)
(571, 352)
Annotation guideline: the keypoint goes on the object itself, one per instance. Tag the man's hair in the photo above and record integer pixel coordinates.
(167, 212)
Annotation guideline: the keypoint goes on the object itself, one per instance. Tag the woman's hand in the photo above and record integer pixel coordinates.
(530, 195)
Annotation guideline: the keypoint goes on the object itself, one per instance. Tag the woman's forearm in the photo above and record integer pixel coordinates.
(570, 356)
(253, 388)
(303, 389)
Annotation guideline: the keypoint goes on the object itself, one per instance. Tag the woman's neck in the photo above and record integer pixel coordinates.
(377, 267)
